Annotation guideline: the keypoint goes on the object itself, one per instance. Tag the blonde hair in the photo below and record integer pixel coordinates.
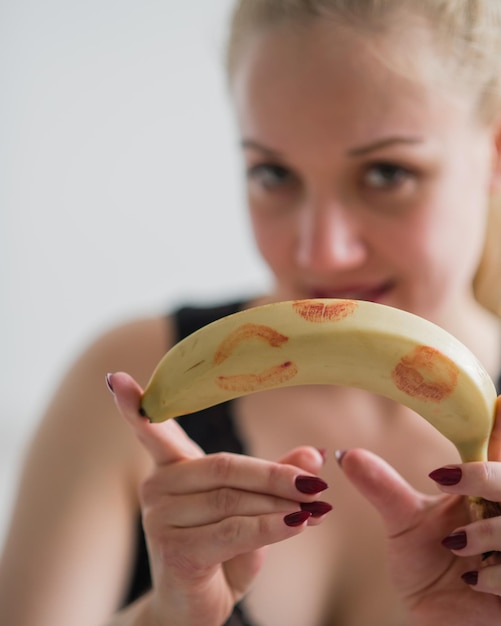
(467, 32)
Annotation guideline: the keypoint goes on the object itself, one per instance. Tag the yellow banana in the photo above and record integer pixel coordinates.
(331, 341)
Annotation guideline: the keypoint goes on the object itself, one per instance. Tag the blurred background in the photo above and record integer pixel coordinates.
(120, 180)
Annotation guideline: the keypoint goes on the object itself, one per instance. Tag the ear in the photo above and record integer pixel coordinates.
(496, 158)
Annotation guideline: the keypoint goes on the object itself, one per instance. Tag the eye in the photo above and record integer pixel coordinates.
(386, 176)
(269, 176)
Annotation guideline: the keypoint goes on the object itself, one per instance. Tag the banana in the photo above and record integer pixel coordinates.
(330, 341)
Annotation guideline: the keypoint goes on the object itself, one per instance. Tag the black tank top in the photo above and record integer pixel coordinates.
(213, 429)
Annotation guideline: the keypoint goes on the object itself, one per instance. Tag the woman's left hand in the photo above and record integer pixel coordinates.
(439, 581)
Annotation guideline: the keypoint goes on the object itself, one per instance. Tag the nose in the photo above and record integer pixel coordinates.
(329, 237)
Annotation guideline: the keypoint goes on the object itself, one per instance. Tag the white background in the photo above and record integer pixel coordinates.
(121, 184)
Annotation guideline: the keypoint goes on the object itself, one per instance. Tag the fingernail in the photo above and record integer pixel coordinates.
(455, 541)
(317, 509)
(108, 383)
(310, 484)
(339, 454)
(297, 518)
(470, 578)
(446, 475)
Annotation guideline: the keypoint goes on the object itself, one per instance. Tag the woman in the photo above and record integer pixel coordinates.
(371, 136)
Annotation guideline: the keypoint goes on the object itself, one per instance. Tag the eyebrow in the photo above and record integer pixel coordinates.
(254, 145)
(359, 151)
(383, 143)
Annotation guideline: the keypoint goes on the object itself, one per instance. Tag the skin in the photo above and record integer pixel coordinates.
(333, 222)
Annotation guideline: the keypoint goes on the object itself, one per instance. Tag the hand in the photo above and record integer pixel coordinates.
(438, 585)
(207, 517)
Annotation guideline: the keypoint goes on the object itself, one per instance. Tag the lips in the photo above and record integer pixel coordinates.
(372, 293)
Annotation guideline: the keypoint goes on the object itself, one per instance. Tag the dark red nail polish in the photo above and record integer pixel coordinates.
(310, 484)
(108, 383)
(297, 518)
(455, 541)
(317, 509)
(470, 578)
(446, 475)
(339, 454)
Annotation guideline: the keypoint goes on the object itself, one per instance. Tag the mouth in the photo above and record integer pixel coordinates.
(372, 293)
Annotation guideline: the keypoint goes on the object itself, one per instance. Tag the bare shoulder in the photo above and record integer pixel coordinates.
(81, 439)
(82, 414)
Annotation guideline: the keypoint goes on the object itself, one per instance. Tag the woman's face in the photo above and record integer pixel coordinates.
(361, 183)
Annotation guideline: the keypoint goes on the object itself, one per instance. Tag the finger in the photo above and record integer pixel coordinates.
(166, 442)
(188, 511)
(480, 537)
(225, 469)
(478, 479)
(196, 551)
(486, 580)
(495, 439)
(397, 502)
(308, 458)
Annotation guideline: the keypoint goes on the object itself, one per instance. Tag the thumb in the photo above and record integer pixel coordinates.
(166, 442)
(396, 501)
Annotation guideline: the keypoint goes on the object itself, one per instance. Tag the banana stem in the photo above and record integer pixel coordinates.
(483, 509)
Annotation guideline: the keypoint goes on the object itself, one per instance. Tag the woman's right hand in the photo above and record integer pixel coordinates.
(207, 517)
